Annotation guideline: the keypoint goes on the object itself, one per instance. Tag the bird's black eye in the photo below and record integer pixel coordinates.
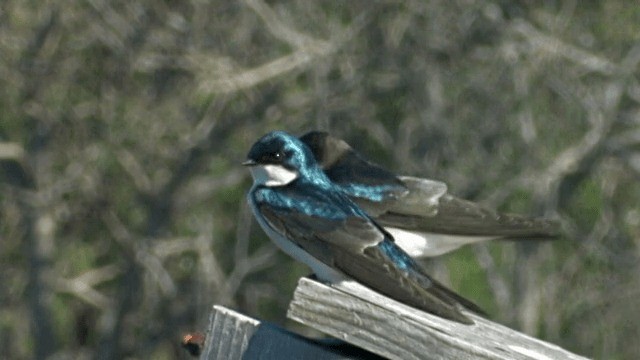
(275, 157)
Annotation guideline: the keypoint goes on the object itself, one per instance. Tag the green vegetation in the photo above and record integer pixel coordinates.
(123, 123)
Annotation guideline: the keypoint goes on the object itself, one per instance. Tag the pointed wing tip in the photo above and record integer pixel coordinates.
(466, 304)
(456, 314)
(461, 318)
(542, 229)
(466, 320)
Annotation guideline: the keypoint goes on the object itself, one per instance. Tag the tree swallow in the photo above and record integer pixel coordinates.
(423, 218)
(314, 221)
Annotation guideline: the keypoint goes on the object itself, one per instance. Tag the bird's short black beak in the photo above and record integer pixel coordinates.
(249, 162)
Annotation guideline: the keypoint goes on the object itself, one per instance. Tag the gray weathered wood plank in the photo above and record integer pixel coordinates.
(388, 328)
(234, 336)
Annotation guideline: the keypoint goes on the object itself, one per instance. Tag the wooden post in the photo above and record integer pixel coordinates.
(378, 327)
(393, 330)
(233, 336)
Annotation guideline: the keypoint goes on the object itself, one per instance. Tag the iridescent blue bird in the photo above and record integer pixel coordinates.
(315, 222)
(423, 218)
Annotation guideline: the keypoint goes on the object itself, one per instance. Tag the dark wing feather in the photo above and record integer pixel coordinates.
(361, 233)
(416, 204)
(352, 169)
(412, 287)
(427, 207)
(347, 168)
(460, 217)
(351, 245)
(422, 199)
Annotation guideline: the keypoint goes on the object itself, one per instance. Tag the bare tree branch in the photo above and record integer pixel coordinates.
(552, 46)
(83, 285)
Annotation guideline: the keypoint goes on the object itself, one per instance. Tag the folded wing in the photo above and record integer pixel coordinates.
(362, 250)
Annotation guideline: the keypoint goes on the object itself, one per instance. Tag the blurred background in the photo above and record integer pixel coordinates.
(122, 203)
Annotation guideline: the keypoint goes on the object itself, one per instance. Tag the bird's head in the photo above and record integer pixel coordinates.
(278, 158)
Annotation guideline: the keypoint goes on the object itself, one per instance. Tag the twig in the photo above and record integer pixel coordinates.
(496, 281)
(307, 51)
(82, 285)
(279, 29)
(556, 47)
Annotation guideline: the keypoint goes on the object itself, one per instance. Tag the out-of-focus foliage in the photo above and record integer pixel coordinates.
(122, 212)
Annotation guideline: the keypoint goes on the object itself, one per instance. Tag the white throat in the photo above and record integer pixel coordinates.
(272, 175)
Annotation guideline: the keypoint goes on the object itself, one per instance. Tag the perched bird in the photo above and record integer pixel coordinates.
(423, 218)
(313, 220)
